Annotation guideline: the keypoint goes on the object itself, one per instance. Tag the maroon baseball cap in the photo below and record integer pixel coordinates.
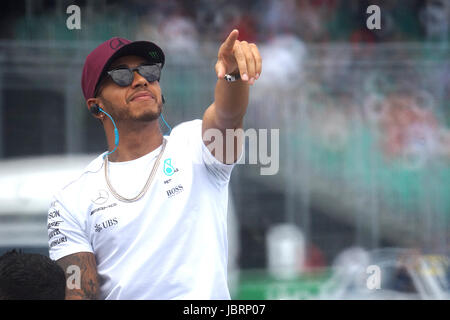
(99, 60)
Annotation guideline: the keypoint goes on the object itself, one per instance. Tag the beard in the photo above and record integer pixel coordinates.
(147, 115)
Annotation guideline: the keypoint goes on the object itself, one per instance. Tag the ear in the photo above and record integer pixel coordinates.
(91, 102)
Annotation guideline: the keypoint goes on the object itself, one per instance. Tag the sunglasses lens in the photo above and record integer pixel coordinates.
(122, 77)
(150, 72)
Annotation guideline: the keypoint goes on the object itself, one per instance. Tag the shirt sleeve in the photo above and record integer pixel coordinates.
(219, 172)
(65, 234)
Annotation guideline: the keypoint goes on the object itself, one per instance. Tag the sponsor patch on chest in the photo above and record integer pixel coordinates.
(174, 191)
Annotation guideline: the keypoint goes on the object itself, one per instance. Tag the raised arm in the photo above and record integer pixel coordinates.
(231, 98)
(87, 286)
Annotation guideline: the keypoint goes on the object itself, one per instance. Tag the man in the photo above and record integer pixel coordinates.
(147, 220)
(30, 276)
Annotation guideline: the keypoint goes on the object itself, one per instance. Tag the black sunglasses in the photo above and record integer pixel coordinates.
(124, 76)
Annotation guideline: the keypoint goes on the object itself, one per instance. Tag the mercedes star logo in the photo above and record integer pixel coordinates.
(101, 197)
(116, 43)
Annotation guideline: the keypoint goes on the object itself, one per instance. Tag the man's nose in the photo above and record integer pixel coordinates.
(139, 81)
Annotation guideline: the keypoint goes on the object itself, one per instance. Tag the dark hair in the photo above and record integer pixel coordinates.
(99, 86)
(29, 276)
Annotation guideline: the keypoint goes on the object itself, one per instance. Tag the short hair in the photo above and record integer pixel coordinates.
(28, 276)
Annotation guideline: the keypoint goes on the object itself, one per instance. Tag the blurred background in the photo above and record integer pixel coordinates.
(363, 118)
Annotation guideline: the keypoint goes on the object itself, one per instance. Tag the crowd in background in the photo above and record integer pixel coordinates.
(258, 20)
(310, 20)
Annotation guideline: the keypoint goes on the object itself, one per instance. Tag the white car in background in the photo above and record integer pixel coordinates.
(26, 189)
(404, 274)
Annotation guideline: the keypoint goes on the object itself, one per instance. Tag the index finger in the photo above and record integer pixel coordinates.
(229, 42)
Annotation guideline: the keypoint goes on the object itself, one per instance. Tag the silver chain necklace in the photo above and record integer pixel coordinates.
(147, 184)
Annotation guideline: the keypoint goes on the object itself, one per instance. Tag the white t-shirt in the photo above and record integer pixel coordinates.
(170, 244)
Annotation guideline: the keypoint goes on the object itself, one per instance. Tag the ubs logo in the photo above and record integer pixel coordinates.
(106, 224)
(100, 197)
(116, 43)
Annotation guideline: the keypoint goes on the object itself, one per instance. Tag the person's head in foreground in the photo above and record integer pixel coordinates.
(29, 276)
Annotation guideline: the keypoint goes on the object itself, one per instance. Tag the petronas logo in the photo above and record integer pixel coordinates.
(168, 169)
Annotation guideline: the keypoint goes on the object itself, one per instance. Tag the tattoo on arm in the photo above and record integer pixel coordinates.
(89, 285)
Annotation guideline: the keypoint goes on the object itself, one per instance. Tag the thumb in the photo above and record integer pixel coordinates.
(220, 69)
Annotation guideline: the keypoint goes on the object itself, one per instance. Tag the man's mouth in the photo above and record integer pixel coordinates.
(142, 96)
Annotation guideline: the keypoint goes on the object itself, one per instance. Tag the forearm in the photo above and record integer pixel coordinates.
(82, 285)
(230, 103)
(230, 98)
